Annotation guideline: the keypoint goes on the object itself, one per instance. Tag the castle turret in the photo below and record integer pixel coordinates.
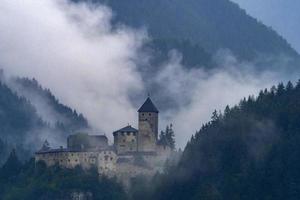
(125, 140)
(148, 127)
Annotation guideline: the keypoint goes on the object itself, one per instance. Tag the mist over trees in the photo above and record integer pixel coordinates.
(167, 137)
(249, 151)
(212, 24)
(22, 128)
(32, 180)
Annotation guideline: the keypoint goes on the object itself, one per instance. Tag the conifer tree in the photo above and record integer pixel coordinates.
(167, 137)
(11, 167)
(170, 137)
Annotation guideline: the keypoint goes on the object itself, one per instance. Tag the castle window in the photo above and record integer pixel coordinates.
(128, 133)
(149, 114)
(68, 160)
(76, 160)
(124, 140)
(132, 140)
(143, 114)
(111, 158)
(134, 134)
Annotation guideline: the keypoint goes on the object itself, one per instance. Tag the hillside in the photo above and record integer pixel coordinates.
(17, 118)
(212, 24)
(250, 151)
(20, 120)
(34, 181)
(61, 115)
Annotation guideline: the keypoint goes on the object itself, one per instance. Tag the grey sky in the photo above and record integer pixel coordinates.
(282, 15)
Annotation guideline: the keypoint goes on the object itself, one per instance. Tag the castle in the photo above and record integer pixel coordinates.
(134, 151)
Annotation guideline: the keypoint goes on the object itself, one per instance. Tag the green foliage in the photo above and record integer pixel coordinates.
(18, 117)
(251, 151)
(11, 168)
(36, 181)
(67, 119)
(167, 137)
(213, 24)
(192, 55)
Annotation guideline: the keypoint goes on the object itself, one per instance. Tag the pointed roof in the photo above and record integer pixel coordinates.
(127, 129)
(148, 106)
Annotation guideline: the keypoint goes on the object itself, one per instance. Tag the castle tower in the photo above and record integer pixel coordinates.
(125, 140)
(148, 127)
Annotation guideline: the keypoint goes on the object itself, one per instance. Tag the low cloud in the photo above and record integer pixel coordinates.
(91, 66)
(73, 50)
(198, 93)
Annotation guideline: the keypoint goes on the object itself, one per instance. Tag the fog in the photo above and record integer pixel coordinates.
(92, 67)
(72, 50)
(198, 93)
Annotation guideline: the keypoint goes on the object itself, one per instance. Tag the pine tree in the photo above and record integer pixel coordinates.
(170, 137)
(12, 166)
(167, 137)
(215, 116)
(162, 138)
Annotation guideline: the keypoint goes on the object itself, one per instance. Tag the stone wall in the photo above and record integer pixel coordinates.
(125, 142)
(85, 142)
(152, 119)
(146, 138)
(127, 170)
(105, 161)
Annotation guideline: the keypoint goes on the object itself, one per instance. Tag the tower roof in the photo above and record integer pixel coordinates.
(127, 129)
(148, 106)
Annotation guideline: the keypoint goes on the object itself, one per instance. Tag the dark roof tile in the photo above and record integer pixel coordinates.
(127, 129)
(148, 106)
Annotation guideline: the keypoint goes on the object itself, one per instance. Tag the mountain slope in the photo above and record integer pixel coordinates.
(21, 124)
(213, 24)
(47, 104)
(17, 118)
(249, 152)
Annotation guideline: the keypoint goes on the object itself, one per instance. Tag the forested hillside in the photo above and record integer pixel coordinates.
(212, 24)
(31, 181)
(193, 55)
(17, 118)
(250, 151)
(62, 116)
(22, 127)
